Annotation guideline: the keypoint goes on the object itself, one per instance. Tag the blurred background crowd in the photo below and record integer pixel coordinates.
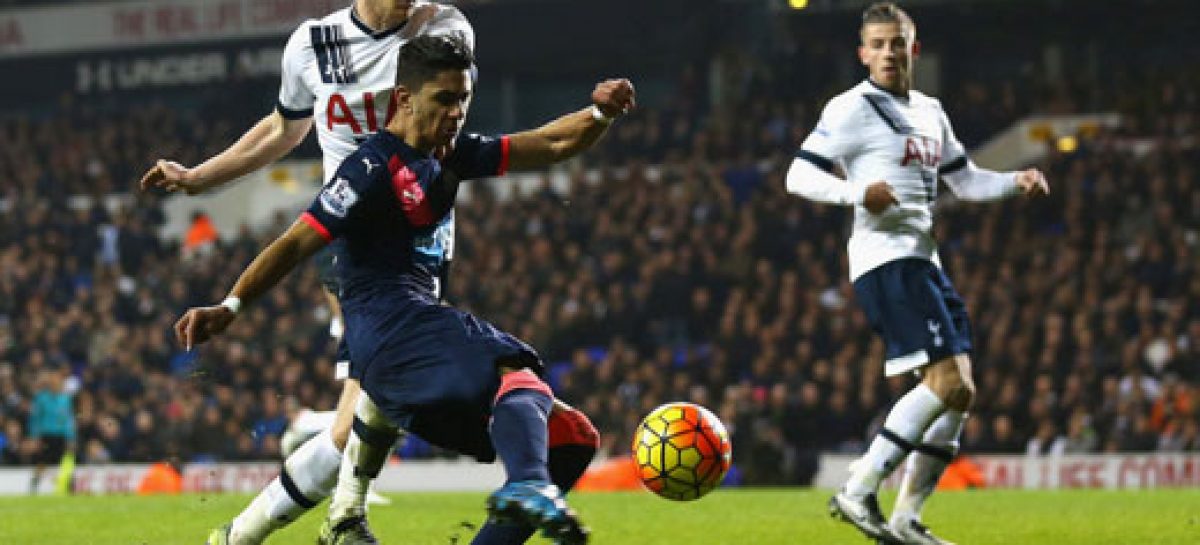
(673, 266)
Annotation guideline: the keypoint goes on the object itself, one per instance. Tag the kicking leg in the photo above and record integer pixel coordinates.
(573, 443)
(521, 438)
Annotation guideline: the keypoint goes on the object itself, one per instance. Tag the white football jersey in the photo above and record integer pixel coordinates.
(875, 135)
(339, 71)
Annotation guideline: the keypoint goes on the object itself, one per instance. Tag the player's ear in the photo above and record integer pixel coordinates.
(862, 55)
(403, 98)
(916, 49)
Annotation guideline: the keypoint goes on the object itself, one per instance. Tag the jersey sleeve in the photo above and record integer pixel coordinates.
(953, 150)
(966, 180)
(295, 98)
(833, 140)
(340, 202)
(478, 156)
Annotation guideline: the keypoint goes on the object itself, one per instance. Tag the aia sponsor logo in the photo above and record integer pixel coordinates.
(357, 115)
(922, 149)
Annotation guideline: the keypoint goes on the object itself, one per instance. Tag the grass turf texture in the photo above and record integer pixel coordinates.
(733, 517)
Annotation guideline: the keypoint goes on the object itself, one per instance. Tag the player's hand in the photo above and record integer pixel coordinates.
(200, 324)
(173, 177)
(614, 97)
(1033, 183)
(878, 197)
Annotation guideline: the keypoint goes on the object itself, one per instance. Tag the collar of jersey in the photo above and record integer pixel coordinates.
(375, 34)
(886, 90)
(393, 145)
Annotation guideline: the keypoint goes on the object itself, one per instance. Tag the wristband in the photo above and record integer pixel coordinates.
(600, 117)
(234, 304)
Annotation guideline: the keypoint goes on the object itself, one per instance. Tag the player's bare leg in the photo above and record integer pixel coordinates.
(951, 380)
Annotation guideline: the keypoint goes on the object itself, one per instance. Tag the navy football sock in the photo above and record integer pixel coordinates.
(519, 434)
(567, 464)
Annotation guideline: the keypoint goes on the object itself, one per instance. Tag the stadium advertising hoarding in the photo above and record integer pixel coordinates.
(250, 477)
(147, 72)
(1100, 471)
(109, 25)
(1096, 471)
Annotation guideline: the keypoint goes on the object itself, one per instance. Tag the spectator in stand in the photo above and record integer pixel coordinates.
(1046, 441)
(201, 236)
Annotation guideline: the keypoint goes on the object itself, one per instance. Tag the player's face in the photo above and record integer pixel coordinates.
(887, 51)
(439, 109)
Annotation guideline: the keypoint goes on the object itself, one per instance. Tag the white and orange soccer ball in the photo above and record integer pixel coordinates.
(682, 451)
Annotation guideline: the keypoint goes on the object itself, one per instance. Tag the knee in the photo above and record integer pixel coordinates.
(958, 393)
(953, 385)
(521, 379)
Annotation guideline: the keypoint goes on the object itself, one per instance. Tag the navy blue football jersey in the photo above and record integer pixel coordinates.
(391, 209)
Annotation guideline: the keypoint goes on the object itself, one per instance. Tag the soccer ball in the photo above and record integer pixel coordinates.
(682, 451)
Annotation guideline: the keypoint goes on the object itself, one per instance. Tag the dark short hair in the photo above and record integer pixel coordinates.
(886, 12)
(422, 58)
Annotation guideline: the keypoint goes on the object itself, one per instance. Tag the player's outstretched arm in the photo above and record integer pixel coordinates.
(573, 133)
(267, 141)
(200, 324)
(971, 183)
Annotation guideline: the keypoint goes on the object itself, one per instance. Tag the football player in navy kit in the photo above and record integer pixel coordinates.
(427, 368)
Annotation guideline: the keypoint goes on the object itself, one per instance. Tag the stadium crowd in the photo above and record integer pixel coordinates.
(678, 268)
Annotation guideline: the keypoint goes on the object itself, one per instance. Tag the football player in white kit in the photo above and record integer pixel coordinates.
(894, 143)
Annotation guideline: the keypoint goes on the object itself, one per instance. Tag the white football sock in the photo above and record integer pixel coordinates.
(362, 460)
(907, 421)
(305, 426)
(311, 472)
(927, 463)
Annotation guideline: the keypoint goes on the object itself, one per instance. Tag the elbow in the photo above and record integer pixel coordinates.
(289, 138)
(793, 180)
(565, 149)
(292, 140)
(285, 135)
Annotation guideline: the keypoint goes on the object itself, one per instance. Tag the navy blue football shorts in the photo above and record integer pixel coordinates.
(912, 305)
(432, 369)
(326, 262)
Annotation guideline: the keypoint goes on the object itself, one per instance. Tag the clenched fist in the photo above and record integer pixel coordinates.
(614, 97)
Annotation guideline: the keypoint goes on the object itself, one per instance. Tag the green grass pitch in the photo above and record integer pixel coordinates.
(726, 517)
